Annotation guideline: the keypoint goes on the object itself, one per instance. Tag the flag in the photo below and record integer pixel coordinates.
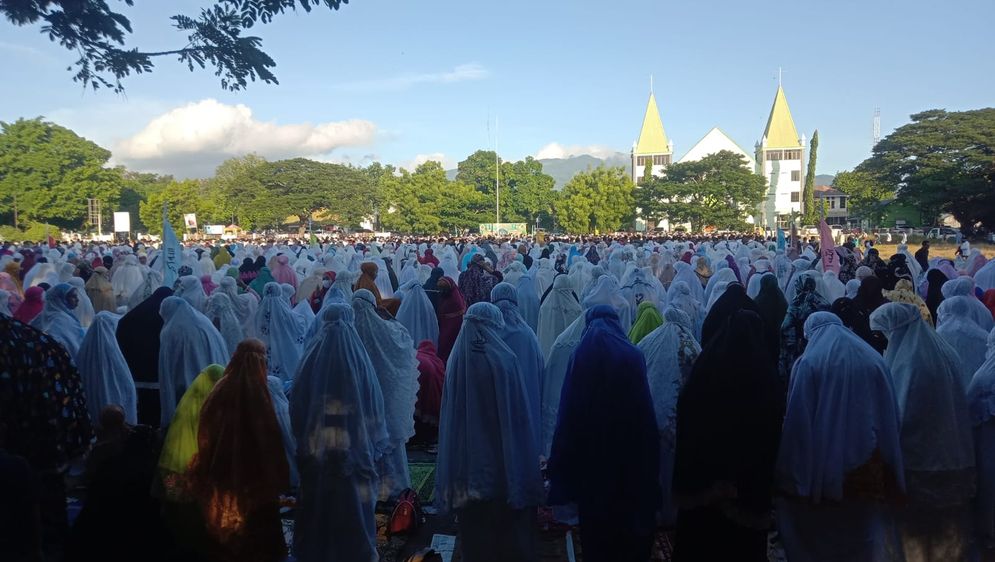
(830, 260)
(781, 242)
(314, 240)
(171, 251)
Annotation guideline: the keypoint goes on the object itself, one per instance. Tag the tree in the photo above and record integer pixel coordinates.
(531, 191)
(301, 187)
(138, 186)
(213, 38)
(381, 177)
(941, 162)
(717, 190)
(426, 202)
(479, 171)
(865, 194)
(52, 171)
(187, 196)
(596, 200)
(237, 183)
(808, 209)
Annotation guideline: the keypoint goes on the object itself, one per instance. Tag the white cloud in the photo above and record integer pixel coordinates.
(557, 150)
(18, 50)
(459, 73)
(419, 159)
(193, 139)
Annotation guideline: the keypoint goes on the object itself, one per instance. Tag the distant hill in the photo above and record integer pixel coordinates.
(562, 169)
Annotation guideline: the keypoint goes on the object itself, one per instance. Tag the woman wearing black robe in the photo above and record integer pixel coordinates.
(729, 418)
(138, 338)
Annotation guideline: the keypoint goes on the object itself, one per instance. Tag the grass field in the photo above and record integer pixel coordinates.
(936, 249)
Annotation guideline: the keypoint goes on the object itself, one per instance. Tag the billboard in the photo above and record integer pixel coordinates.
(122, 222)
(190, 220)
(503, 229)
(215, 229)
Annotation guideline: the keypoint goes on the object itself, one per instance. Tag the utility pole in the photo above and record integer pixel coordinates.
(497, 177)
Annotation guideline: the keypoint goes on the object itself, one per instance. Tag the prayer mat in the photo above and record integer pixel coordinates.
(423, 480)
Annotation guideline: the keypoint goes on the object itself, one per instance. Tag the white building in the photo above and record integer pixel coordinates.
(716, 141)
(780, 157)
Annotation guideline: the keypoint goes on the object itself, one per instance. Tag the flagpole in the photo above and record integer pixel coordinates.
(497, 176)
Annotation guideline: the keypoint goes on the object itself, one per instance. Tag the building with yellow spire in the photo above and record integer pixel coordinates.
(653, 147)
(780, 158)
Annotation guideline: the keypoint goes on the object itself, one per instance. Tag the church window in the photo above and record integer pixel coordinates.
(796, 175)
(794, 196)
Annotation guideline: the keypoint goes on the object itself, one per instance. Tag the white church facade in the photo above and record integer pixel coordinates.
(779, 156)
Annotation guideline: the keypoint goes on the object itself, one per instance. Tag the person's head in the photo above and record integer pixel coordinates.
(72, 299)
(925, 243)
(111, 422)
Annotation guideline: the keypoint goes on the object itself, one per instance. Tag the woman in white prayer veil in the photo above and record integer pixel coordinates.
(383, 279)
(221, 313)
(338, 419)
(513, 272)
(852, 288)
(543, 275)
(963, 288)
(638, 286)
(396, 364)
(724, 275)
(981, 401)
(937, 444)
(718, 290)
(153, 280)
(686, 274)
(528, 301)
(409, 274)
(244, 305)
(487, 468)
(84, 311)
(344, 280)
(417, 314)
(281, 406)
(188, 343)
(448, 264)
(604, 292)
(127, 279)
(559, 309)
(191, 290)
(832, 287)
(104, 372)
(282, 330)
(679, 296)
(965, 337)
(670, 352)
(37, 274)
(517, 335)
(309, 284)
(840, 460)
(57, 319)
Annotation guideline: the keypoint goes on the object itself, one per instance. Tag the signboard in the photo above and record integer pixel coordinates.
(215, 229)
(122, 222)
(503, 229)
(190, 220)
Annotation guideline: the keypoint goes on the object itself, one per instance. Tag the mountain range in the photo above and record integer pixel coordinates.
(563, 169)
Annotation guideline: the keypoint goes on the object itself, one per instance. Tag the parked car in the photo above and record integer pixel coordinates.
(944, 233)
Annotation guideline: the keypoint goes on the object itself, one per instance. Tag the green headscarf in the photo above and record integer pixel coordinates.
(259, 283)
(181, 440)
(648, 318)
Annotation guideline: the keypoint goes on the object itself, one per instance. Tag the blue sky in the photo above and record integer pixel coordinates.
(403, 81)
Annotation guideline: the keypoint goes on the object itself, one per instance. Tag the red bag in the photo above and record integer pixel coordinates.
(407, 515)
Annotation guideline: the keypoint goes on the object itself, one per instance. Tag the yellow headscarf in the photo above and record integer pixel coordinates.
(181, 440)
(905, 292)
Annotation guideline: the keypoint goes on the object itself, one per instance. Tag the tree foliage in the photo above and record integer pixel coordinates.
(941, 162)
(238, 186)
(187, 196)
(596, 200)
(426, 201)
(865, 194)
(52, 171)
(527, 193)
(301, 187)
(717, 190)
(808, 192)
(214, 38)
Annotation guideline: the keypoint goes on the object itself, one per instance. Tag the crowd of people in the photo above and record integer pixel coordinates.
(721, 389)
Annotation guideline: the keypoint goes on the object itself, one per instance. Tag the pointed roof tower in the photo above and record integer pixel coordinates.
(780, 131)
(652, 137)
